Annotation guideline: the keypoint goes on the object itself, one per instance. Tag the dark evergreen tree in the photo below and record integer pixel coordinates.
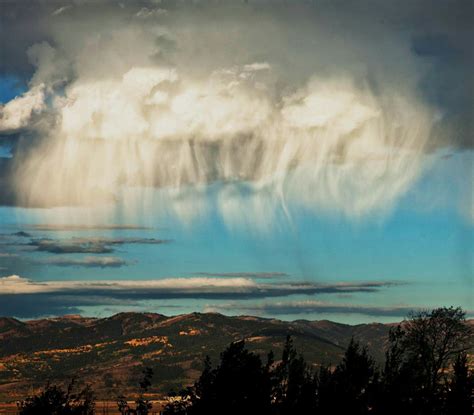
(354, 380)
(240, 384)
(401, 383)
(460, 388)
(142, 405)
(293, 384)
(326, 392)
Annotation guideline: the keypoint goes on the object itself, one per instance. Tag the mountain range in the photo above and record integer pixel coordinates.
(111, 352)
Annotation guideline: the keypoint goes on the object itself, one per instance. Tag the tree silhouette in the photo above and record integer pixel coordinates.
(417, 361)
(460, 388)
(142, 405)
(54, 400)
(239, 384)
(326, 390)
(293, 383)
(354, 379)
(399, 378)
(435, 338)
(415, 379)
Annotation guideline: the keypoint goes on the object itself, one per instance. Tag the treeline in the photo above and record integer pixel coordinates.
(425, 373)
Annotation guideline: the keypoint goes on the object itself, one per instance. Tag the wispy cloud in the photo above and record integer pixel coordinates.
(89, 245)
(61, 10)
(83, 227)
(252, 275)
(88, 261)
(7, 255)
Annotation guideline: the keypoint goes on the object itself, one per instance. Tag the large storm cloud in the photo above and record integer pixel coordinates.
(325, 106)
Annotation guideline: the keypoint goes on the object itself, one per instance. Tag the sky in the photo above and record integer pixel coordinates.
(291, 160)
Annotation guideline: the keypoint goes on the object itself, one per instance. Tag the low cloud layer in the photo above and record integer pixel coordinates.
(335, 116)
(195, 287)
(16, 292)
(309, 307)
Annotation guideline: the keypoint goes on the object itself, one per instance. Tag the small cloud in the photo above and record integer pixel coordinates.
(257, 66)
(146, 13)
(61, 10)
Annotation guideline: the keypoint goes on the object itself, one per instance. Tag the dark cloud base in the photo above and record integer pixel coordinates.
(67, 300)
(322, 308)
(32, 306)
(437, 33)
(89, 245)
(87, 262)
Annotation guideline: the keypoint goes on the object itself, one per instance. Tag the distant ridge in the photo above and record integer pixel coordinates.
(110, 352)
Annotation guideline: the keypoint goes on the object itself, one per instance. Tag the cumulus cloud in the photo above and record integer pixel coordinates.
(331, 117)
(18, 113)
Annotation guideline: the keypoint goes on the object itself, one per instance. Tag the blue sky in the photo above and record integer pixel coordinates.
(429, 252)
(336, 188)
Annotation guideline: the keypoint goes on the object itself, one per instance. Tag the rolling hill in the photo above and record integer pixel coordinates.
(111, 352)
